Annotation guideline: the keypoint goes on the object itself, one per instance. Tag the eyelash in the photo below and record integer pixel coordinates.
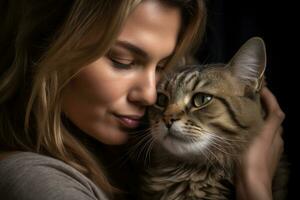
(121, 65)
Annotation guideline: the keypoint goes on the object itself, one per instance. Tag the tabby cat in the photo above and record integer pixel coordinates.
(204, 118)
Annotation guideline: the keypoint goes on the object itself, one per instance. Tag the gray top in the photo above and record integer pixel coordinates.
(30, 176)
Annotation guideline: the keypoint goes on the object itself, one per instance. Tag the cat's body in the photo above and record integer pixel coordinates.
(204, 119)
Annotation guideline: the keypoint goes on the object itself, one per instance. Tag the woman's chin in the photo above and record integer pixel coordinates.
(113, 138)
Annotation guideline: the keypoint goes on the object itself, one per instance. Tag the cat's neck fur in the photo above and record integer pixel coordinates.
(162, 159)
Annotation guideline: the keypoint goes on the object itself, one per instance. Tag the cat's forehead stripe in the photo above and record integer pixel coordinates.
(181, 77)
(201, 84)
(184, 77)
(165, 84)
(190, 78)
(170, 83)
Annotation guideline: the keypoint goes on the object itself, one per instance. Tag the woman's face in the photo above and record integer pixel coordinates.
(108, 97)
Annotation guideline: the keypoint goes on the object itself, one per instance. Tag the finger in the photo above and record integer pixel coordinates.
(275, 115)
(277, 149)
(278, 142)
(278, 135)
(271, 135)
(280, 131)
(271, 102)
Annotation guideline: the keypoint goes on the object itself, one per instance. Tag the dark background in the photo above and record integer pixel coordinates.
(231, 23)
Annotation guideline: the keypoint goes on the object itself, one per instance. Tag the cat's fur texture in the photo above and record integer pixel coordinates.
(204, 118)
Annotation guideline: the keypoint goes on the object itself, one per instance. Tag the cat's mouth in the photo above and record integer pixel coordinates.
(182, 144)
(178, 136)
(175, 135)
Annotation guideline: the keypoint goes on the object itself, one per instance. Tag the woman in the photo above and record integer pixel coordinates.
(93, 65)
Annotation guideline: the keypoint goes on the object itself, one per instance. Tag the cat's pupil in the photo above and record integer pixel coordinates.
(201, 99)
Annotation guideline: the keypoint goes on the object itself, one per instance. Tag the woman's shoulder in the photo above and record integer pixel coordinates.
(27, 161)
(27, 175)
(23, 163)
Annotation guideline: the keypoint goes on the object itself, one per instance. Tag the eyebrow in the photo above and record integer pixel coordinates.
(131, 47)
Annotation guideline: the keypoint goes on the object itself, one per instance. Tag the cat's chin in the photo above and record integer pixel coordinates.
(185, 148)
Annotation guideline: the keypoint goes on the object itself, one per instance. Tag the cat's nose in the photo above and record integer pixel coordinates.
(169, 120)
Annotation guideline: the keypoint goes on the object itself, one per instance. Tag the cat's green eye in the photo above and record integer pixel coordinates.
(201, 99)
(162, 100)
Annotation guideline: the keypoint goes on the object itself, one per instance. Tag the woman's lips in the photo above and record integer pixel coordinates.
(129, 121)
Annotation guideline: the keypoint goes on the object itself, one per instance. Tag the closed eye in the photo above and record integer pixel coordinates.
(121, 63)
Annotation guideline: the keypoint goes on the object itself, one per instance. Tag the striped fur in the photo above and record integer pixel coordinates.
(196, 148)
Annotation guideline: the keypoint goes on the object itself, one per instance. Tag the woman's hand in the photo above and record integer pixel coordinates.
(254, 180)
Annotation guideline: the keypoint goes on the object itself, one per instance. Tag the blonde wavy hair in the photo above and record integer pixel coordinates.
(43, 45)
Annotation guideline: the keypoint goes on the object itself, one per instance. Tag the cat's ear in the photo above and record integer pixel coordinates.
(249, 63)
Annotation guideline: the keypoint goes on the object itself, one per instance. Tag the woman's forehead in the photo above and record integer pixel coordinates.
(152, 27)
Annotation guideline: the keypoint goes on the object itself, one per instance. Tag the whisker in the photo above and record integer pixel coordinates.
(140, 131)
(223, 146)
(203, 152)
(216, 135)
(224, 138)
(144, 148)
(137, 143)
(148, 152)
(219, 147)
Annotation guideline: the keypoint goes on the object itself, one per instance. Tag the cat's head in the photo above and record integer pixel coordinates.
(211, 111)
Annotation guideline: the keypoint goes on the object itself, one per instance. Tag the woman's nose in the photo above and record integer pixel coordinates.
(144, 90)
